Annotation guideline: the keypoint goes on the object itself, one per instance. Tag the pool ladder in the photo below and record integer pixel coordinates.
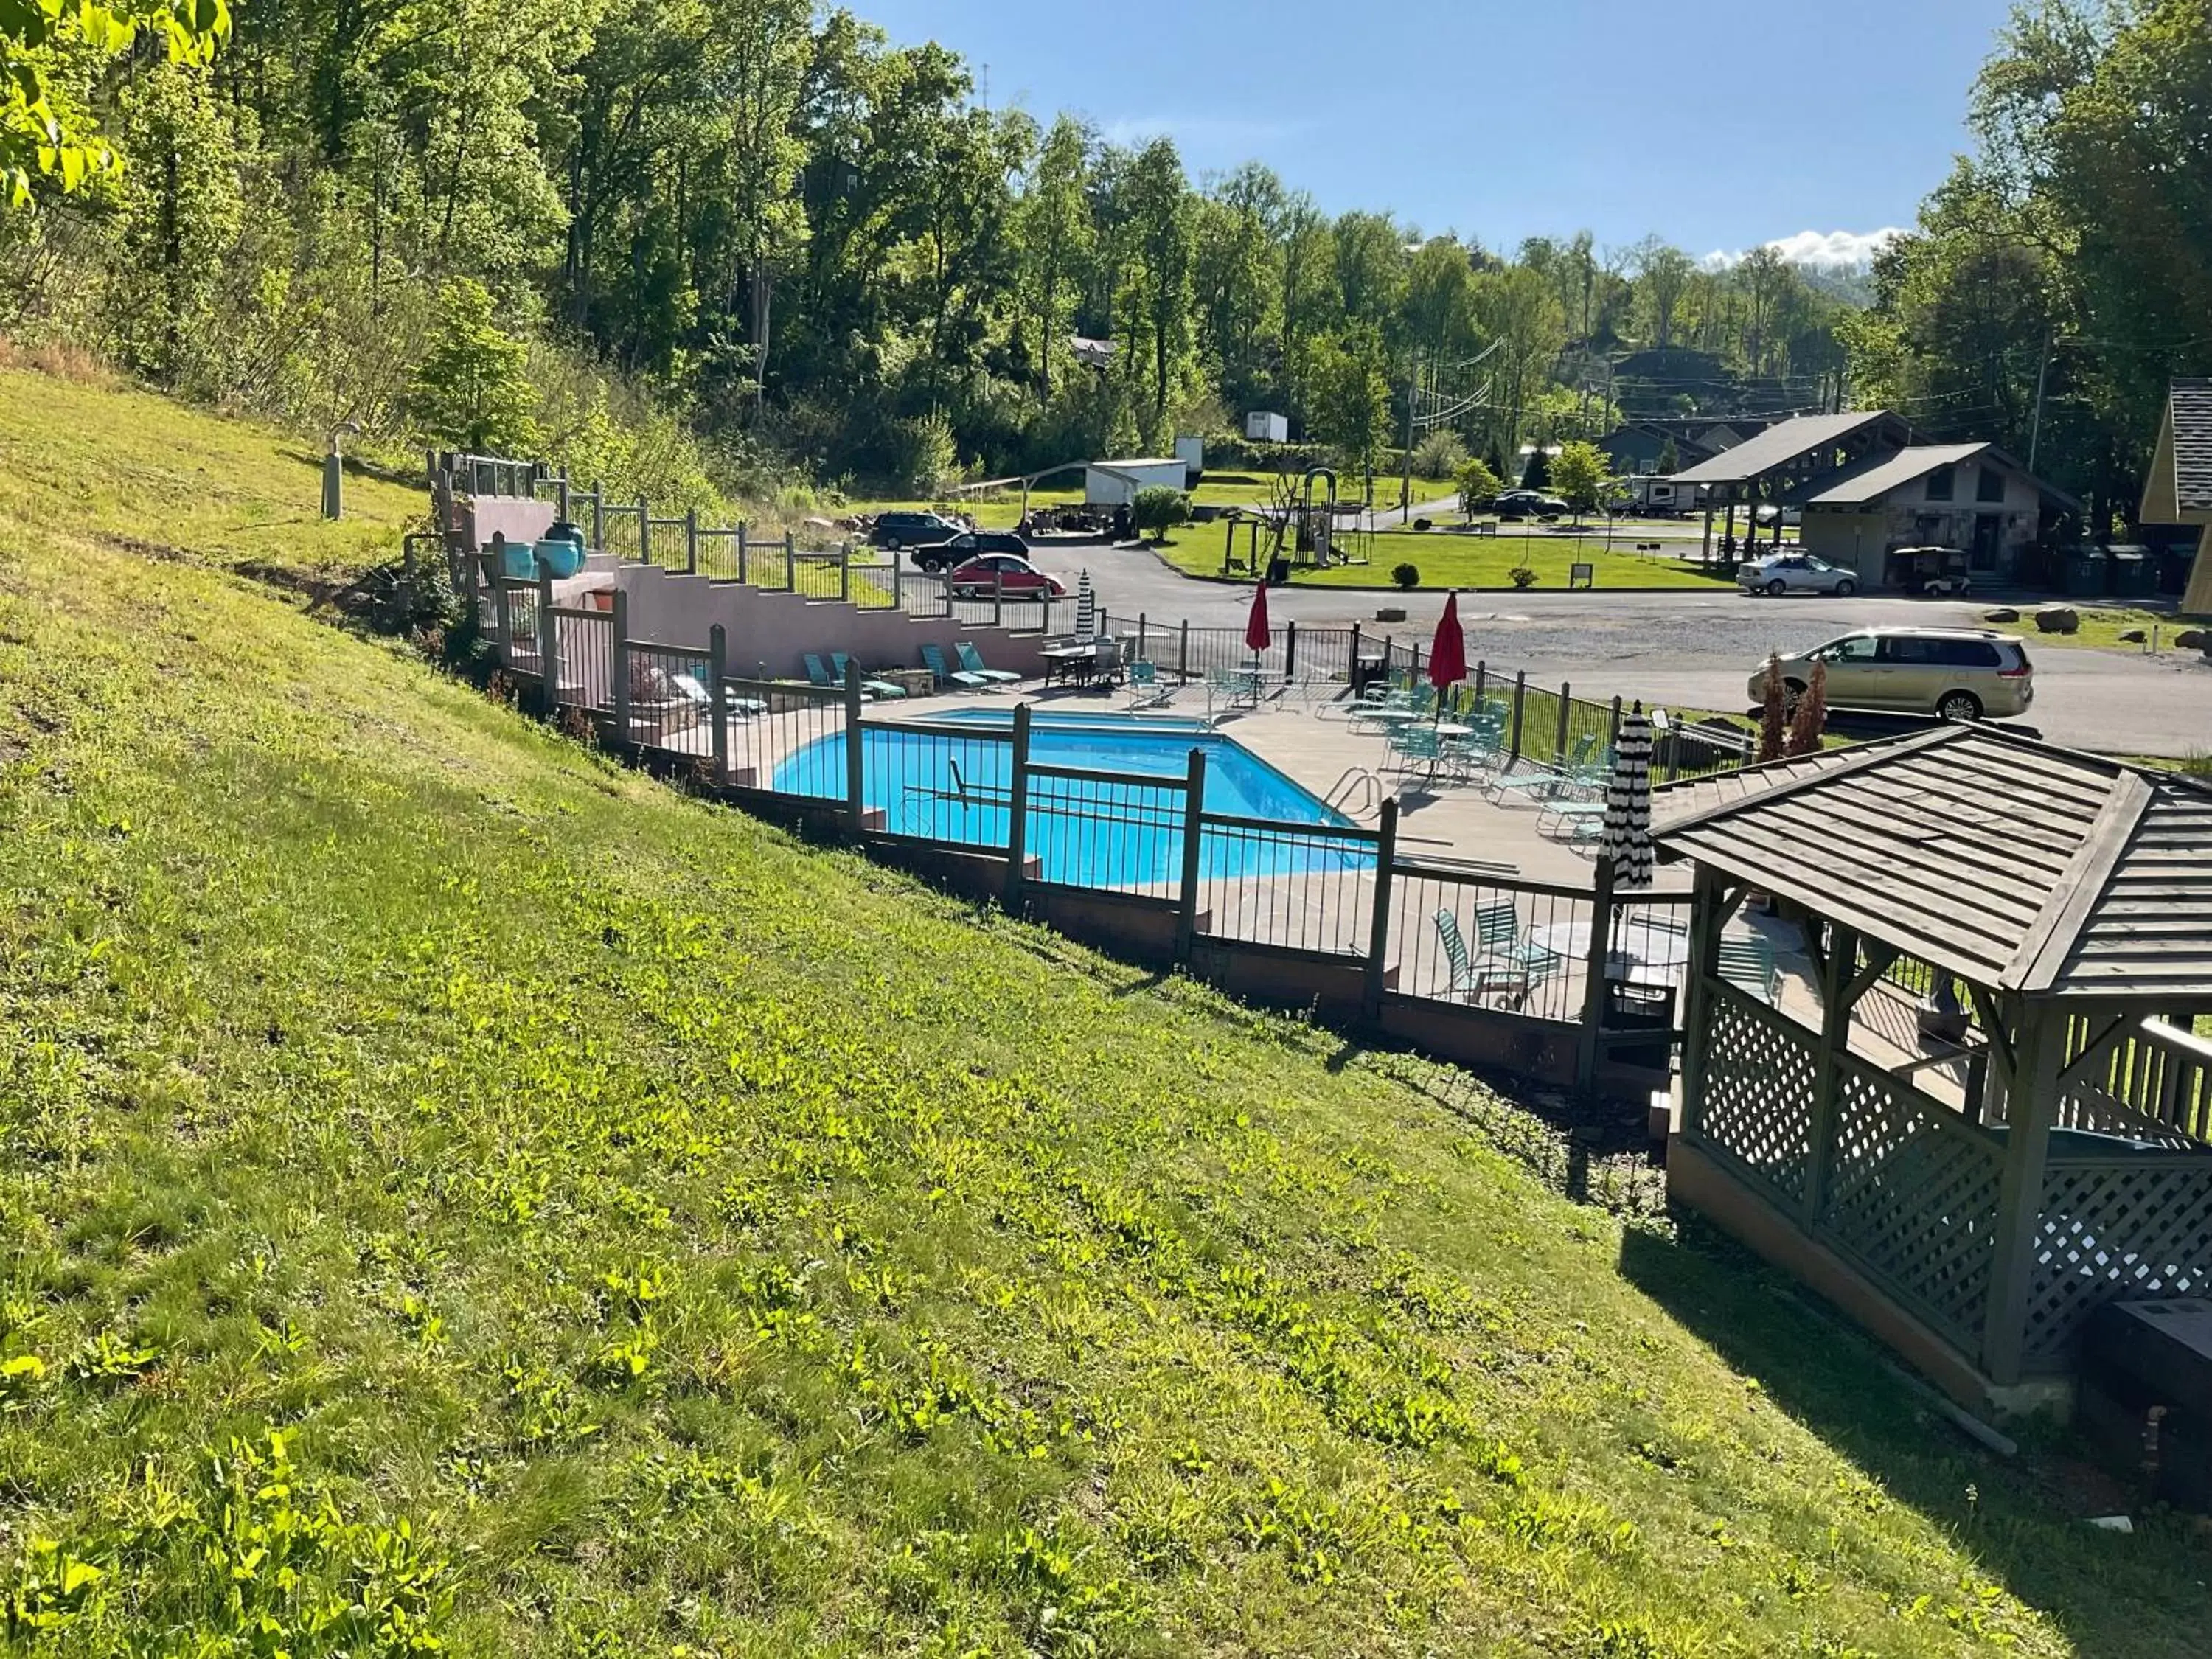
(1357, 784)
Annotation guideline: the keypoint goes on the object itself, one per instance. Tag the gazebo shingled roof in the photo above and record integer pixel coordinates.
(2023, 866)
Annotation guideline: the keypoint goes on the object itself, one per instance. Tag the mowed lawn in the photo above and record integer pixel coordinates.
(461, 1196)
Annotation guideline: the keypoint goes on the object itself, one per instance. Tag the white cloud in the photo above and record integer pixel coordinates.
(1828, 249)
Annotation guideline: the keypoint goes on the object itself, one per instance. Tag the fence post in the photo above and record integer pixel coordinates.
(1289, 650)
(1481, 677)
(1182, 652)
(503, 615)
(1520, 697)
(790, 562)
(548, 641)
(1194, 836)
(1378, 931)
(599, 517)
(644, 530)
(690, 541)
(845, 570)
(1613, 731)
(1601, 952)
(619, 666)
(1045, 626)
(1352, 662)
(1566, 707)
(561, 493)
(856, 770)
(998, 599)
(742, 575)
(898, 579)
(718, 665)
(1141, 656)
(1018, 812)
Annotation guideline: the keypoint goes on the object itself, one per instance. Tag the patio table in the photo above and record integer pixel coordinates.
(1643, 952)
(1069, 662)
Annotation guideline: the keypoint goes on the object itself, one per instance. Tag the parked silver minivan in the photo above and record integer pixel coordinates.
(1953, 673)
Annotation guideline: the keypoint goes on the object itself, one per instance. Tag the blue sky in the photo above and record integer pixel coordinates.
(1718, 124)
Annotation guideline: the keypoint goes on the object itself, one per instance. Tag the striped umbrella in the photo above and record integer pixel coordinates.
(1087, 608)
(1628, 803)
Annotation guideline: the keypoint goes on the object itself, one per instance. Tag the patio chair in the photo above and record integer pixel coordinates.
(1486, 976)
(882, 690)
(1415, 747)
(1146, 688)
(1106, 665)
(1572, 820)
(932, 658)
(1497, 937)
(692, 687)
(1748, 964)
(1544, 782)
(972, 662)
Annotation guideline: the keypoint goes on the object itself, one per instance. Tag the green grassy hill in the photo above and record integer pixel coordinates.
(456, 1191)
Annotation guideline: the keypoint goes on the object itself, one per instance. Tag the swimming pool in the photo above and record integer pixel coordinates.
(952, 787)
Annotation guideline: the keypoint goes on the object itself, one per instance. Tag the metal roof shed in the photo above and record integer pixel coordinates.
(1970, 1200)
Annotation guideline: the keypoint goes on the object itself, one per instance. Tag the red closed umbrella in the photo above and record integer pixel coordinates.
(1257, 634)
(1448, 651)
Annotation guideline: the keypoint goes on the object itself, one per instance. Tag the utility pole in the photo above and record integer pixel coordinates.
(1405, 482)
(2042, 378)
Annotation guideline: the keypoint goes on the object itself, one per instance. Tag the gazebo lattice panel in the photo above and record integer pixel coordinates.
(1759, 1091)
(2109, 1230)
(1913, 1194)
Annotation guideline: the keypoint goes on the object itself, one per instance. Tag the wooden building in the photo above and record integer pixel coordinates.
(1973, 1195)
(2179, 488)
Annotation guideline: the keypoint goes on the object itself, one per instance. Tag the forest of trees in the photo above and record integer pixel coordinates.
(763, 224)
(2072, 252)
(756, 239)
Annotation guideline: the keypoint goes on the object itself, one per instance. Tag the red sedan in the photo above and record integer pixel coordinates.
(1004, 573)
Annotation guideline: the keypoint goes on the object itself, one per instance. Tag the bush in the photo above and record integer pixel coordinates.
(1479, 484)
(1439, 455)
(1158, 509)
(1405, 575)
(1523, 576)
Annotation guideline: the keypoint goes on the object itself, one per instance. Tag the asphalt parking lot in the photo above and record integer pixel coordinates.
(1691, 649)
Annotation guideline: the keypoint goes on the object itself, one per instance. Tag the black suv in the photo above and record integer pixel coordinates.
(968, 544)
(912, 529)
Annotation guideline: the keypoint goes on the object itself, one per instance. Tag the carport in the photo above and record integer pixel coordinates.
(1986, 1110)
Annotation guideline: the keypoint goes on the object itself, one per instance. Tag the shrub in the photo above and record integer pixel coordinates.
(472, 390)
(1405, 575)
(1479, 485)
(1439, 455)
(1523, 576)
(1158, 509)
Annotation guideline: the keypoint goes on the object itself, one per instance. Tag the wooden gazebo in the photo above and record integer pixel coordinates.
(1967, 1174)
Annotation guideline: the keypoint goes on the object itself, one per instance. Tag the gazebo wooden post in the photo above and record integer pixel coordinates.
(1838, 977)
(1706, 923)
(2031, 1105)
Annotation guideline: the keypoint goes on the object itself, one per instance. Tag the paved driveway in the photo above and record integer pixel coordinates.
(1691, 649)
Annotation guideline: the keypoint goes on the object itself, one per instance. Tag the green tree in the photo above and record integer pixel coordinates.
(1579, 474)
(472, 391)
(1159, 508)
(1479, 484)
(1351, 395)
(47, 131)
(1054, 224)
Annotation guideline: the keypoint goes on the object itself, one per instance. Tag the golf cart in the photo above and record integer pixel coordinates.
(1935, 573)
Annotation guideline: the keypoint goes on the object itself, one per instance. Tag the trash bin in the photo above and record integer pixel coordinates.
(2083, 575)
(1636, 1007)
(1279, 571)
(2129, 572)
(1366, 671)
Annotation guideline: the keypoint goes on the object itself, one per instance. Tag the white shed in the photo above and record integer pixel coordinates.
(1262, 427)
(1115, 484)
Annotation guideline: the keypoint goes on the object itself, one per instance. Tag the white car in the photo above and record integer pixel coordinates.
(1795, 573)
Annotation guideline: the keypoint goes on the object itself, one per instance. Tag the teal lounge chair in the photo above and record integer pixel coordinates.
(881, 690)
(1748, 964)
(693, 687)
(932, 658)
(1544, 782)
(972, 663)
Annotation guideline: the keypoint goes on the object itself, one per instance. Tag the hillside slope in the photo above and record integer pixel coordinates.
(457, 1191)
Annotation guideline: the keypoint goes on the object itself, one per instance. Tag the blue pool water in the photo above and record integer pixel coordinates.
(1083, 832)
